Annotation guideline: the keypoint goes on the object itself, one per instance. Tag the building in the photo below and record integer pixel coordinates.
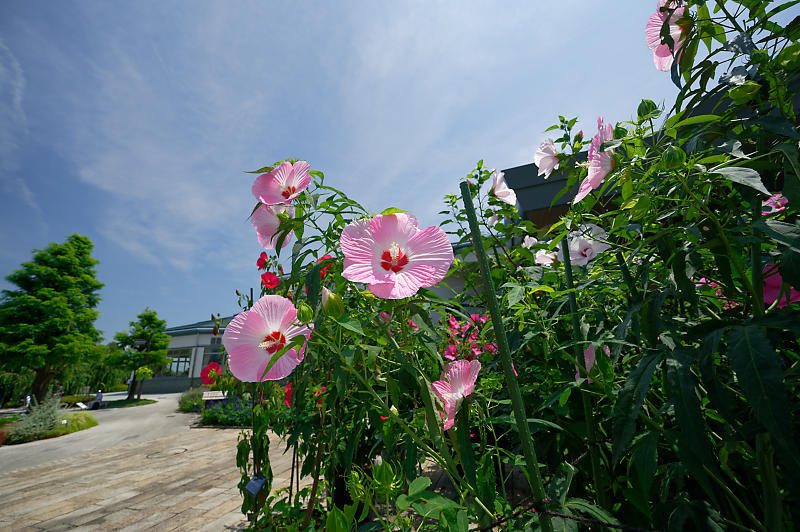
(191, 348)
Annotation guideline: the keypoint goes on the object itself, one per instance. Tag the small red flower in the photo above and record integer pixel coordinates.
(324, 271)
(383, 418)
(262, 261)
(319, 394)
(270, 280)
(209, 374)
(287, 398)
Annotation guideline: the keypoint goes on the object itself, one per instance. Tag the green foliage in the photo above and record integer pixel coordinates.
(40, 420)
(14, 386)
(144, 345)
(75, 421)
(72, 399)
(192, 400)
(47, 321)
(233, 411)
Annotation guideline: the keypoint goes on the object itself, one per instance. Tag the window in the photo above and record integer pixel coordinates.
(178, 362)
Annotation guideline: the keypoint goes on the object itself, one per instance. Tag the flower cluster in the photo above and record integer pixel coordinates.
(464, 339)
(275, 191)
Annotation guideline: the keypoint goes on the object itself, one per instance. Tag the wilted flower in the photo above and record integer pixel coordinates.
(282, 184)
(546, 158)
(501, 191)
(395, 257)
(287, 394)
(667, 11)
(262, 261)
(546, 258)
(528, 242)
(456, 382)
(585, 244)
(265, 220)
(255, 335)
(773, 204)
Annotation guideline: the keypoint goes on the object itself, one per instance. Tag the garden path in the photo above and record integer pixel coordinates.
(184, 480)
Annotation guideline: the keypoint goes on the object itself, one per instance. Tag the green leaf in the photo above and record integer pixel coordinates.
(392, 210)
(699, 119)
(786, 234)
(418, 485)
(351, 324)
(645, 461)
(744, 176)
(693, 445)
(779, 126)
(587, 508)
(629, 404)
(758, 370)
(264, 170)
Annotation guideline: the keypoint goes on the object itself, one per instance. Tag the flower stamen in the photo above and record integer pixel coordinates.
(393, 258)
(273, 342)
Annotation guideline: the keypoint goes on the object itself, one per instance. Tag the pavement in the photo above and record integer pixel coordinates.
(141, 468)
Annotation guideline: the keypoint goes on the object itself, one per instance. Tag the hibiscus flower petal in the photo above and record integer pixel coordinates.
(268, 187)
(432, 247)
(462, 375)
(274, 310)
(395, 228)
(266, 222)
(247, 328)
(247, 362)
(283, 367)
(300, 177)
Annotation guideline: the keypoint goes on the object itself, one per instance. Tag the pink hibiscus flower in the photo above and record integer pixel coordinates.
(265, 220)
(667, 12)
(456, 383)
(255, 335)
(501, 191)
(585, 244)
(209, 374)
(600, 162)
(772, 288)
(546, 158)
(283, 184)
(395, 257)
(773, 204)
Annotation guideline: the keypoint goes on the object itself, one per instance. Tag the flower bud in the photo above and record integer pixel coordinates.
(673, 158)
(304, 313)
(333, 306)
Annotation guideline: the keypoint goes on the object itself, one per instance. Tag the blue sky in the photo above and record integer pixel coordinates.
(131, 122)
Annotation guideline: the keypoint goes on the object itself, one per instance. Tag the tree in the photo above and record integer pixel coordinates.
(144, 345)
(47, 323)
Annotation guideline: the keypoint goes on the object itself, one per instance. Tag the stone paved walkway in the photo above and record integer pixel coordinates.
(184, 481)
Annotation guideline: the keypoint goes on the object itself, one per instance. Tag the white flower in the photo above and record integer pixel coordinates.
(493, 219)
(546, 158)
(585, 244)
(528, 242)
(501, 190)
(546, 258)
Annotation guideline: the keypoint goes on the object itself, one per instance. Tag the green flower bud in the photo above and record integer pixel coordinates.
(304, 313)
(673, 158)
(745, 92)
(333, 306)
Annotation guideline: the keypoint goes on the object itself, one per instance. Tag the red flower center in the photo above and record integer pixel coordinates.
(288, 191)
(273, 342)
(393, 259)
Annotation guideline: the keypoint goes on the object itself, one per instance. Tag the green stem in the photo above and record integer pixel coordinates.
(735, 499)
(773, 509)
(532, 463)
(588, 414)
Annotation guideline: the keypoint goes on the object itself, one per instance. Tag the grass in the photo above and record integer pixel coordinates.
(75, 421)
(125, 403)
(7, 420)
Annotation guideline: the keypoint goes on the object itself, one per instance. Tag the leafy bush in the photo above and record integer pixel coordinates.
(118, 388)
(7, 420)
(75, 421)
(232, 412)
(192, 400)
(41, 419)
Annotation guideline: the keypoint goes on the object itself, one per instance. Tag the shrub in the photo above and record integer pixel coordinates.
(75, 421)
(232, 412)
(192, 400)
(118, 388)
(41, 419)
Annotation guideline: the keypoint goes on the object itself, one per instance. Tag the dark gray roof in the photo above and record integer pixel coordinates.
(201, 327)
